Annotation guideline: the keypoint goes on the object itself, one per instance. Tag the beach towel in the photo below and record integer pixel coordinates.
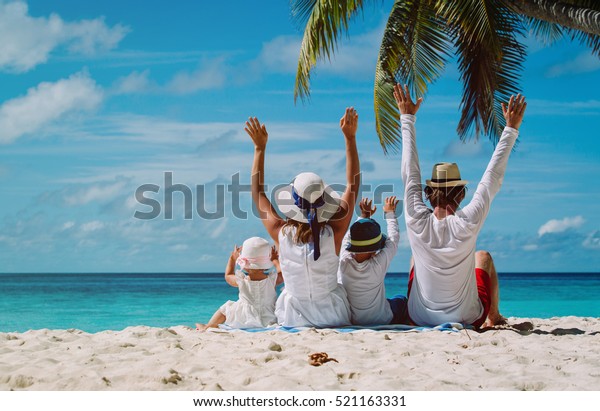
(446, 327)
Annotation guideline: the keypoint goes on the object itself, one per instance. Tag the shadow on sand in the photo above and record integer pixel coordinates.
(527, 328)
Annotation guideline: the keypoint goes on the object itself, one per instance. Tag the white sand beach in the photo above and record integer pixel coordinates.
(560, 353)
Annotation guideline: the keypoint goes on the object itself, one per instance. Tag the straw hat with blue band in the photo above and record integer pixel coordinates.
(308, 200)
(366, 236)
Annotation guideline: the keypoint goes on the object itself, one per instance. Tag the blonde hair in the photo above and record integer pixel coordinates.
(303, 233)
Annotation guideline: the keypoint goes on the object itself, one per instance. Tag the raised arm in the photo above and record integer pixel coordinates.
(490, 183)
(266, 212)
(341, 221)
(230, 267)
(367, 209)
(388, 252)
(411, 171)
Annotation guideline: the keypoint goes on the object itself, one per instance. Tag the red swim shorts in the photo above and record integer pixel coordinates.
(483, 289)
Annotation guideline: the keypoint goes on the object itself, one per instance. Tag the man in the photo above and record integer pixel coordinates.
(449, 281)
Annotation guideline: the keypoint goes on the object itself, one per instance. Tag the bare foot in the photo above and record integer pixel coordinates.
(493, 320)
(201, 327)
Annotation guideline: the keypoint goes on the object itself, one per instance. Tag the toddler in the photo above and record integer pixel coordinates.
(257, 277)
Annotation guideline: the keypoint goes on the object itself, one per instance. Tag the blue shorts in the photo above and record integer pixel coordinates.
(399, 305)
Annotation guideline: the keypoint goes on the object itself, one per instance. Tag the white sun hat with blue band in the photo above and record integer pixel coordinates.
(309, 200)
(307, 189)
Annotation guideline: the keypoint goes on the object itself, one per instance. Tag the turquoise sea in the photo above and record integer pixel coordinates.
(96, 302)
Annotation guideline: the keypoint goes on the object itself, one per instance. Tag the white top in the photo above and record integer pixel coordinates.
(444, 288)
(255, 307)
(312, 295)
(364, 281)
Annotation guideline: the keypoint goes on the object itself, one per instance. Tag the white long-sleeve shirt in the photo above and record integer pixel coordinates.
(444, 287)
(364, 281)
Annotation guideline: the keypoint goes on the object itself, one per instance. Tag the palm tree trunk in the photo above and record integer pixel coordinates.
(554, 11)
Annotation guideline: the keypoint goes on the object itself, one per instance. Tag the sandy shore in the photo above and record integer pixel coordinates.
(535, 354)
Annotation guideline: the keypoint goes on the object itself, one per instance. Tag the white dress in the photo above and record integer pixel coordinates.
(255, 307)
(312, 295)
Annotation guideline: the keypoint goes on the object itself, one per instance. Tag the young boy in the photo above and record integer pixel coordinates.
(364, 259)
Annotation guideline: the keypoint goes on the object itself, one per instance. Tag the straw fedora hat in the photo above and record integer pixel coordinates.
(307, 188)
(445, 175)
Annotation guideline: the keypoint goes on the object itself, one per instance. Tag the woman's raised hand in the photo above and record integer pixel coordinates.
(349, 122)
(405, 103)
(258, 132)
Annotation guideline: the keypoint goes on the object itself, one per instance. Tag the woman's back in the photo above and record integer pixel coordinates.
(312, 295)
(304, 277)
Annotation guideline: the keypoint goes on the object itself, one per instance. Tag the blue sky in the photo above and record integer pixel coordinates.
(99, 98)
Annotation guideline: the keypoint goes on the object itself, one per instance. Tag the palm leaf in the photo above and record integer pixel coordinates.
(327, 20)
(549, 32)
(414, 50)
(546, 32)
(590, 40)
(489, 59)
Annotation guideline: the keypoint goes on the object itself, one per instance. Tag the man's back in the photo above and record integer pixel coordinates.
(444, 286)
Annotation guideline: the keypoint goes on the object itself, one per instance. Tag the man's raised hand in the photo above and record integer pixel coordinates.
(514, 111)
(405, 103)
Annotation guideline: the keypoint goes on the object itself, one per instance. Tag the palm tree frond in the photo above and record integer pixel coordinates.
(327, 19)
(490, 59)
(546, 32)
(590, 40)
(387, 117)
(414, 50)
(301, 10)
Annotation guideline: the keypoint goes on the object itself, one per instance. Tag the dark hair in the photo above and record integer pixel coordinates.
(303, 233)
(445, 196)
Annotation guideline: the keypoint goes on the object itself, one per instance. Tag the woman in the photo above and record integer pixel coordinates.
(309, 241)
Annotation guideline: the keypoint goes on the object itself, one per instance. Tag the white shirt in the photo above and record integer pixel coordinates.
(312, 295)
(364, 281)
(444, 288)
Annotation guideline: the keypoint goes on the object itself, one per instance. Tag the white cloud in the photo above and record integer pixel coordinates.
(45, 103)
(92, 226)
(210, 75)
(584, 63)
(592, 241)
(219, 229)
(559, 226)
(97, 192)
(563, 108)
(179, 247)
(136, 82)
(471, 148)
(28, 41)
(280, 55)
(355, 57)
(68, 225)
